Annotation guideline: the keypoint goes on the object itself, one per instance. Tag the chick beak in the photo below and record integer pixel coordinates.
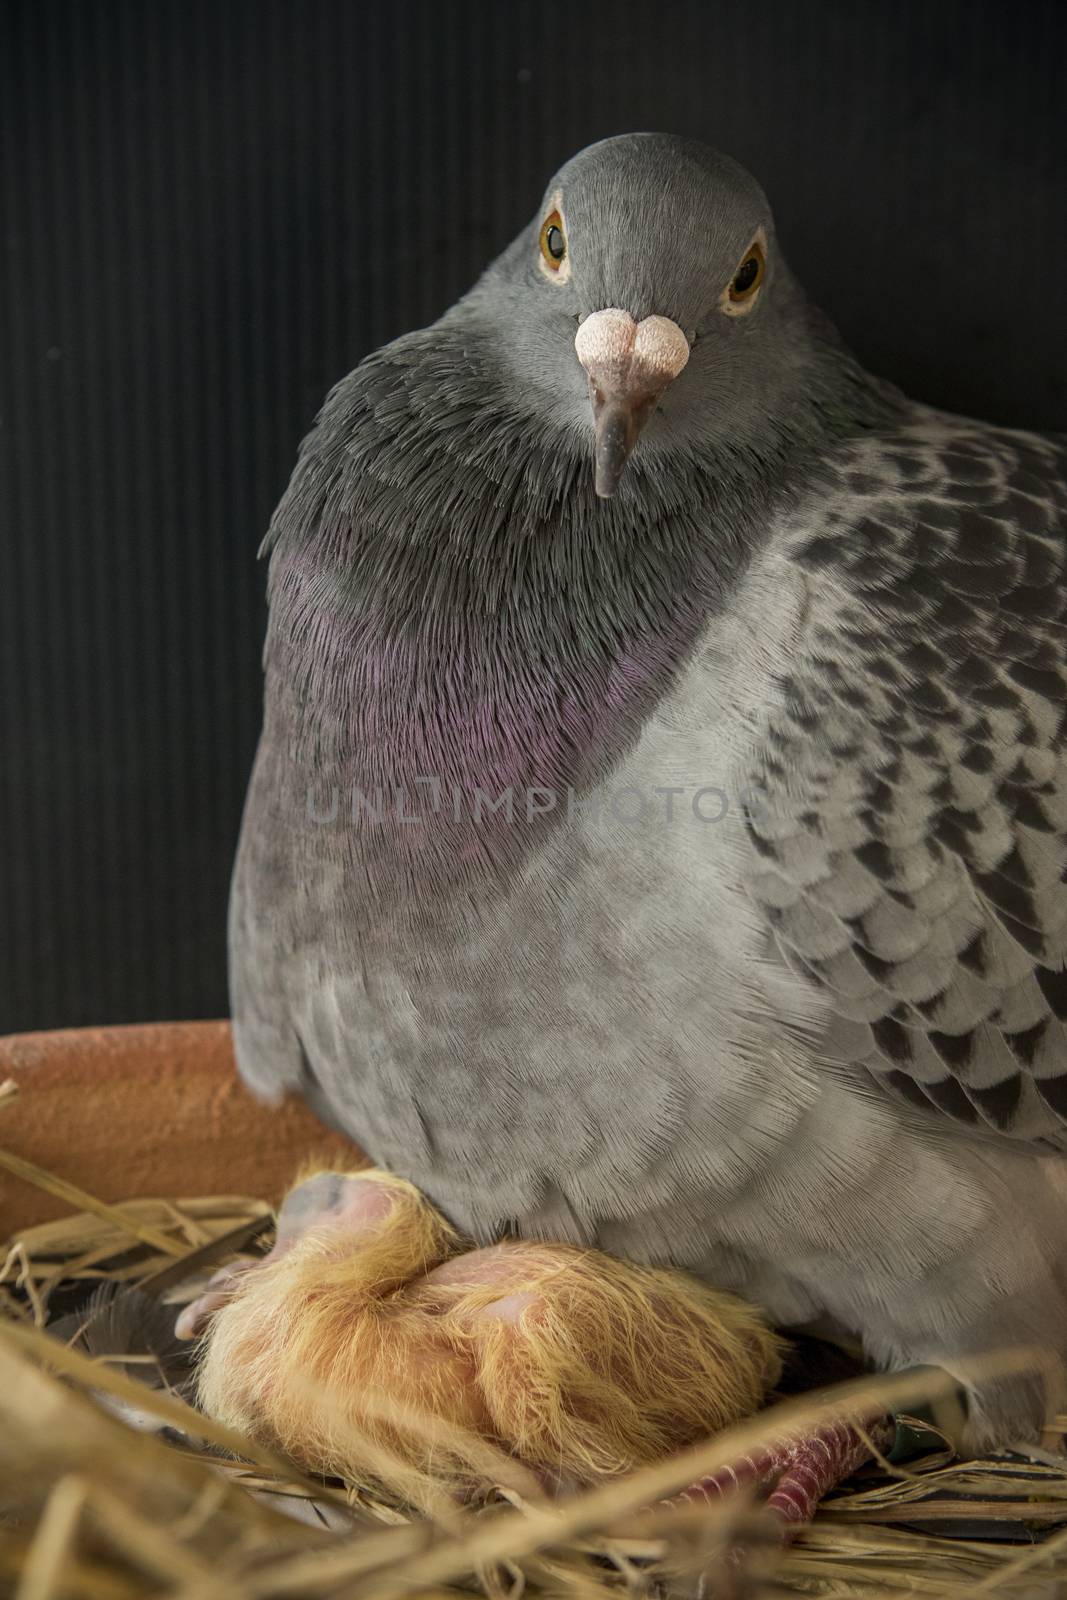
(629, 364)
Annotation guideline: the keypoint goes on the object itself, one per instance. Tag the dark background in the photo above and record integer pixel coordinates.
(210, 212)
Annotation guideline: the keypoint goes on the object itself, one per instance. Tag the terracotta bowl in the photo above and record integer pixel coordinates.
(156, 1111)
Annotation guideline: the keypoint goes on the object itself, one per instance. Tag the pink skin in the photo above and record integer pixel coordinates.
(482, 1266)
(797, 1470)
(351, 1204)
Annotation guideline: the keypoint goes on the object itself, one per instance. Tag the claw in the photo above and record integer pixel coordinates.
(797, 1469)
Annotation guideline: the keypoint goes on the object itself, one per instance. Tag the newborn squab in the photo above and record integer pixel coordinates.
(373, 1325)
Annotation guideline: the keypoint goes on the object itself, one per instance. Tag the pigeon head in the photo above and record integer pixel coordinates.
(648, 296)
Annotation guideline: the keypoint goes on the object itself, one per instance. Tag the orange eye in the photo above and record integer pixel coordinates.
(553, 241)
(749, 275)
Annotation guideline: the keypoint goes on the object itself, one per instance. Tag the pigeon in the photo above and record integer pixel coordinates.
(658, 834)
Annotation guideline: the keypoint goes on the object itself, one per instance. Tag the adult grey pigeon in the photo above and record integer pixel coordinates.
(658, 835)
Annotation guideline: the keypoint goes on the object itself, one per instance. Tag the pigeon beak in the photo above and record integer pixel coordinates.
(629, 364)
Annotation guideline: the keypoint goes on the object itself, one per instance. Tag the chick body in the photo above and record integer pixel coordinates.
(374, 1340)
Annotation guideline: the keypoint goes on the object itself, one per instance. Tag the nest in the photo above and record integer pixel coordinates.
(111, 1487)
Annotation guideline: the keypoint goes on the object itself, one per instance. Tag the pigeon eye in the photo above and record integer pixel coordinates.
(745, 283)
(553, 241)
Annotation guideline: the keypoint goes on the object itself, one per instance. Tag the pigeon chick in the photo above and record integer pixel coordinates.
(658, 836)
(368, 1328)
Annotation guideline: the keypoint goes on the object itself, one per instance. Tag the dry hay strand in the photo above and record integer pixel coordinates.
(92, 1506)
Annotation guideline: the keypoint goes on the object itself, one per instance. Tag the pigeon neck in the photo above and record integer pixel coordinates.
(451, 601)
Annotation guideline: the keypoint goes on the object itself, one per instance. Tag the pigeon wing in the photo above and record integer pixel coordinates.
(911, 834)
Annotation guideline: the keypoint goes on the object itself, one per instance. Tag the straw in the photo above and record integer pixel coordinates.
(90, 1506)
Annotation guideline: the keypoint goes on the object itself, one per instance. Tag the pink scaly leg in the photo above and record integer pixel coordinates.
(798, 1469)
